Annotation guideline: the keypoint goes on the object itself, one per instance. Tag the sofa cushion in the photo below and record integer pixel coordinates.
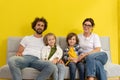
(105, 42)
(62, 42)
(27, 73)
(5, 72)
(12, 45)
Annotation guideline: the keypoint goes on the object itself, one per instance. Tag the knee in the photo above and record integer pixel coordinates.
(11, 60)
(55, 69)
(105, 55)
(52, 67)
(72, 66)
(61, 66)
(89, 58)
(104, 58)
(81, 65)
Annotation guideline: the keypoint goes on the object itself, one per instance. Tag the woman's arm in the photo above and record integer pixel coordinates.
(97, 49)
(83, 55)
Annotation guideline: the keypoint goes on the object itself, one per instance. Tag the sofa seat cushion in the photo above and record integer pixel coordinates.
(67, 74)
(5, 72)
(27, 73)
(112, 70)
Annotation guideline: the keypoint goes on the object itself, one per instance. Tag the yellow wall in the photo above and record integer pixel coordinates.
(63, 16)
(119, 28)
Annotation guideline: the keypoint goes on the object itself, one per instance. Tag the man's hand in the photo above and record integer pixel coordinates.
(18, 54)
(20, 50)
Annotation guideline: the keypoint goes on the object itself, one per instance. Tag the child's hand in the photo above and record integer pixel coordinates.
(82, 56)
(55, 61)
(70, 58)
(61, 61)
(75, 60)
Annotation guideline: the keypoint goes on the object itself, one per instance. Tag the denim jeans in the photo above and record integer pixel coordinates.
(95, 65)
(59, 72)
(17, 63)
(73, 67)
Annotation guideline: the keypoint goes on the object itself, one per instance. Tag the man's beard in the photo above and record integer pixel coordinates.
(39, 31)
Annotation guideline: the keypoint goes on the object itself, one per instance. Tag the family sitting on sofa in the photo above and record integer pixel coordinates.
(83, 52)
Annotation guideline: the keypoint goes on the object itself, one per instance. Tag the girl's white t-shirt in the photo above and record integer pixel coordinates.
(89, 43)
(32, 45)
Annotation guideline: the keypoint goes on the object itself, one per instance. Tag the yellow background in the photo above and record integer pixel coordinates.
(63, 16)
(119, 29)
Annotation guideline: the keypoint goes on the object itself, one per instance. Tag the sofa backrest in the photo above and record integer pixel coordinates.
(13, 43)
(105, 42)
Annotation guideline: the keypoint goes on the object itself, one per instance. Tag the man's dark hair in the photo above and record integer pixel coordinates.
(37, 19)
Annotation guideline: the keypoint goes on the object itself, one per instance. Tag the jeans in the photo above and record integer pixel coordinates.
(95, 65)
(17, 63)
(73, 66)
(59, 72)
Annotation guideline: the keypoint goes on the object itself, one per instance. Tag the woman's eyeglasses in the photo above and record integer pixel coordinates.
(87, 25)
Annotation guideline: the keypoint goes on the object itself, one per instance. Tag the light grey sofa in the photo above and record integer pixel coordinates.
(112, 70)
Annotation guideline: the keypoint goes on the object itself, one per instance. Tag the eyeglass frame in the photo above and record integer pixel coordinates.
(85, 25)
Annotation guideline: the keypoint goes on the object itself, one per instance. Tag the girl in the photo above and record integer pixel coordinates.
(53, 53)
(71, 54)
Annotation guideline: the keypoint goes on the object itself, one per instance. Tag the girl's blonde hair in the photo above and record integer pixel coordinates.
(45, 39)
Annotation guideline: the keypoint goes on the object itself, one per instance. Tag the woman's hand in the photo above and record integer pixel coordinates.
(82, 56)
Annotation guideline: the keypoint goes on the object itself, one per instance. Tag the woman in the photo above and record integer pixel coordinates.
(92, 54)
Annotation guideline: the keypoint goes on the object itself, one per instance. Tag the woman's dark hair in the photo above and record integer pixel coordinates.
(70, 35)
(89, 20)
(39, 20)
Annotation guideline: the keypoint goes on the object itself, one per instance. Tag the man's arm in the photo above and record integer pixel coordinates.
(20, 50)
